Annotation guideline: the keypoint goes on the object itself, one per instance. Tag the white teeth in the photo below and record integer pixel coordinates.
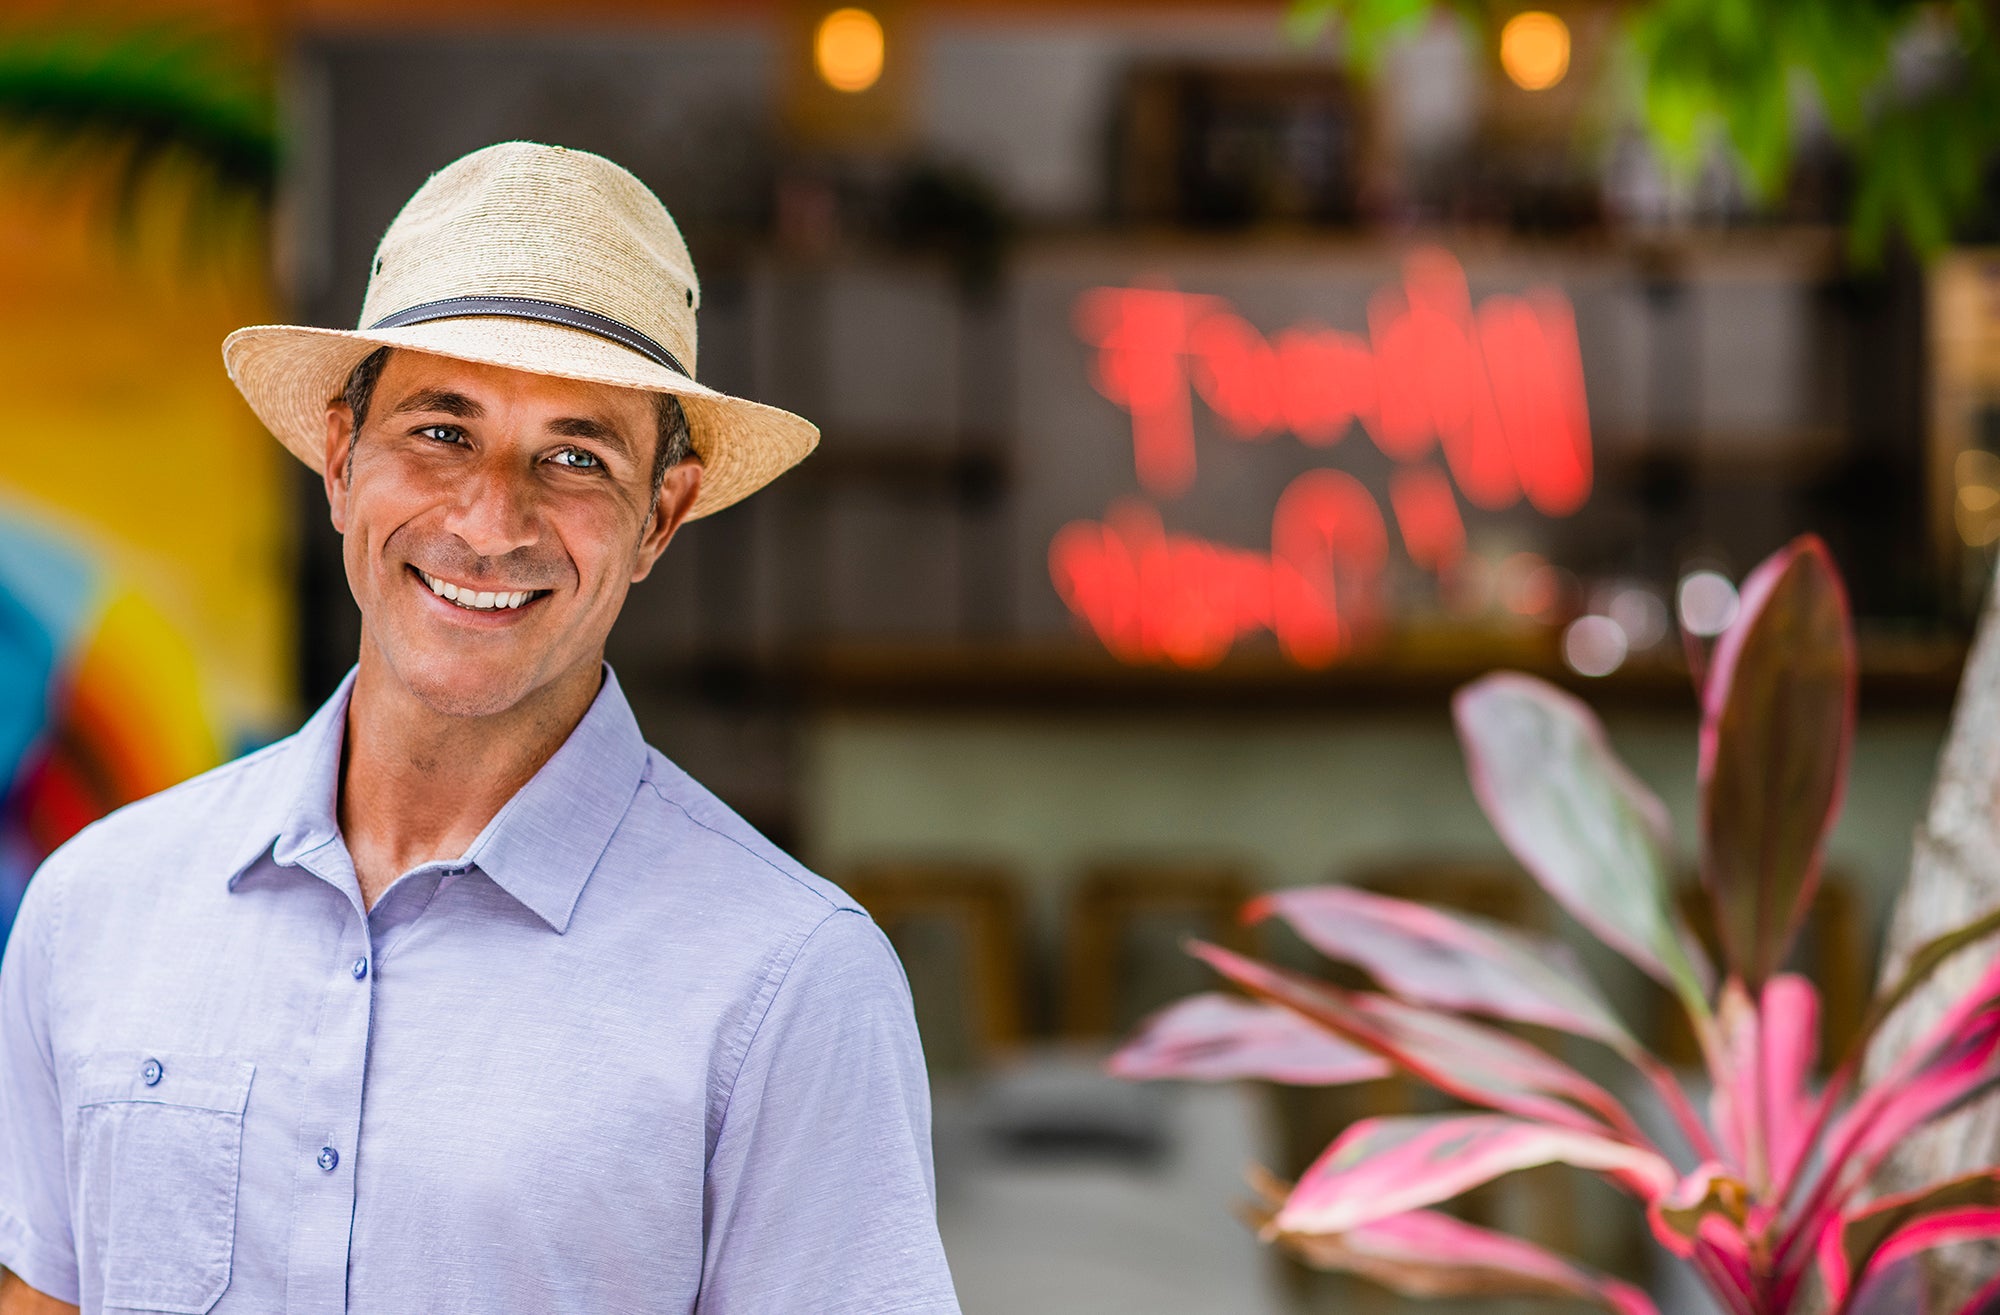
(473, 600)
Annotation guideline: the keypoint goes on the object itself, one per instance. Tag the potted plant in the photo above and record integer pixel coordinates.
(1764, 1192)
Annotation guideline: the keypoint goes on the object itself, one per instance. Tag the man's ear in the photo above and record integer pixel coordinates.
(670, 507)
(337, 460)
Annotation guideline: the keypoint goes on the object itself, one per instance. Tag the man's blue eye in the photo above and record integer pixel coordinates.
(578, 459)
(442, 433)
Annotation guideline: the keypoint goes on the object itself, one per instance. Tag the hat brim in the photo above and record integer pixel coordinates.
(288, 373)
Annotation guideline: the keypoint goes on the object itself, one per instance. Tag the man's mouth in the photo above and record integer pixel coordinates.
(478, 600)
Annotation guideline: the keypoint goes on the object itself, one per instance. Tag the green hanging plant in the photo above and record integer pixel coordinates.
(1910, 91)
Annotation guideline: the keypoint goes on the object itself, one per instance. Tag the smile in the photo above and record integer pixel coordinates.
(478, 600)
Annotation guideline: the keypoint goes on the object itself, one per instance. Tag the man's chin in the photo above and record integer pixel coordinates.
(454, 686)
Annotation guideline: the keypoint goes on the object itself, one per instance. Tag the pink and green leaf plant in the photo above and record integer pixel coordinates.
(1763, 1186)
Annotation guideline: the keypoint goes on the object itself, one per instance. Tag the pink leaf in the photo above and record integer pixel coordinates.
(1382, 1167)
(1790, 1020)
(1953, 1068)
(1923, 963)
(1777, 726)
(1735, 1102)
(1874, 1240)
(1958, 1059)
(1215, 1037)
(1943, 1229)
(1449, 960)
(1723, 1253)
(1583, 825)
(1478, 1064)
(1425, 1254)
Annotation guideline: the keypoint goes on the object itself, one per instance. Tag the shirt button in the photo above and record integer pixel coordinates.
(360, 968)
(328, 1158)
(152, 1073)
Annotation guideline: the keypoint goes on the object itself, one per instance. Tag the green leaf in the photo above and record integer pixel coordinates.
(1579, 821)
(1777, 729)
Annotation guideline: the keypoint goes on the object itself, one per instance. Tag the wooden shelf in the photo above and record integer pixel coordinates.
(1413, 673)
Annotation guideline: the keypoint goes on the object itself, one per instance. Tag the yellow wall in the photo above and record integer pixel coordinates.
(115, 414)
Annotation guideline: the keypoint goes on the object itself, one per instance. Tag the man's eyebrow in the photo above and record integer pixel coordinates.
(440, 399)
(591, 428)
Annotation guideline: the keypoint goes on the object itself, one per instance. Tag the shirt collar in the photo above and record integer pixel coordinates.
(297, 814)
(540, 847)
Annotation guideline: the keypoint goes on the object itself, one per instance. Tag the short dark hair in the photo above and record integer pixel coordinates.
(675, 446)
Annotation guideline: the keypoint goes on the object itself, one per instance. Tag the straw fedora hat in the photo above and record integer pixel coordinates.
(536, 258)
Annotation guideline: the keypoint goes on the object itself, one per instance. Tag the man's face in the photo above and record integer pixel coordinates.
(528, 497)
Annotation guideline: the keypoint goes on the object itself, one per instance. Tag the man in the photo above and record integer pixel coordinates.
(463, 999)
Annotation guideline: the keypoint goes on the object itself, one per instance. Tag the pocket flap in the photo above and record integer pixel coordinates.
(165, 1077)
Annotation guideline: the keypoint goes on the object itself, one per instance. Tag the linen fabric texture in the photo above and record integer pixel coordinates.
(622, 1055)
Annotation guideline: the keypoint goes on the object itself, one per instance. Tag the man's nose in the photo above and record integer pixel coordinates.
(494, 510)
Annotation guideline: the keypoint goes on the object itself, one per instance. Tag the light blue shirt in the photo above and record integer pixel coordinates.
(623, 1055)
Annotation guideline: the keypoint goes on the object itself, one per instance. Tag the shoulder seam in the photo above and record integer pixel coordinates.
(792, 877)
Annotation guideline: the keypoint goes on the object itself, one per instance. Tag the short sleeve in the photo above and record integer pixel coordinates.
(820, 1195)
(35, 1239)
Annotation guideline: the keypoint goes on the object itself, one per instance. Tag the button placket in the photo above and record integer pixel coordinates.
(330, 1131)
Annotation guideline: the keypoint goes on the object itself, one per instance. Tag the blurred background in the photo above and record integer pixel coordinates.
(1208, 389)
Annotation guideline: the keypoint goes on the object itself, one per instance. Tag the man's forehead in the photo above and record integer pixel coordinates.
(408, 377)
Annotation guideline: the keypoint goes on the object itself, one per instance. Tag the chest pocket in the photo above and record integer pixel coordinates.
(158, 1138)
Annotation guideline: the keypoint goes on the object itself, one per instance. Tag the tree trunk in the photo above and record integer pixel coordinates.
(1954, 878)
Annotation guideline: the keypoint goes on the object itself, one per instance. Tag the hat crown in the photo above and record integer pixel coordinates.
(521, 219)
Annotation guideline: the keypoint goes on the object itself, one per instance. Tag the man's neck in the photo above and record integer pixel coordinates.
(418, 785)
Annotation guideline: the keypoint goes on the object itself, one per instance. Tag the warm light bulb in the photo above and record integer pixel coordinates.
(848, 48)
(1534, 50)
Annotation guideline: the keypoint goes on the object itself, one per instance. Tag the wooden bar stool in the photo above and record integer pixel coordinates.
(1110, 904)
(977, 909)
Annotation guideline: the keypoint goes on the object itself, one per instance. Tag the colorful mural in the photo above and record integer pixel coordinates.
(145, 627)
(100, 696)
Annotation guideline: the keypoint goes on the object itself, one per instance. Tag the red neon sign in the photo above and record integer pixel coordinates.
(1497, 389)
(1152, 596)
